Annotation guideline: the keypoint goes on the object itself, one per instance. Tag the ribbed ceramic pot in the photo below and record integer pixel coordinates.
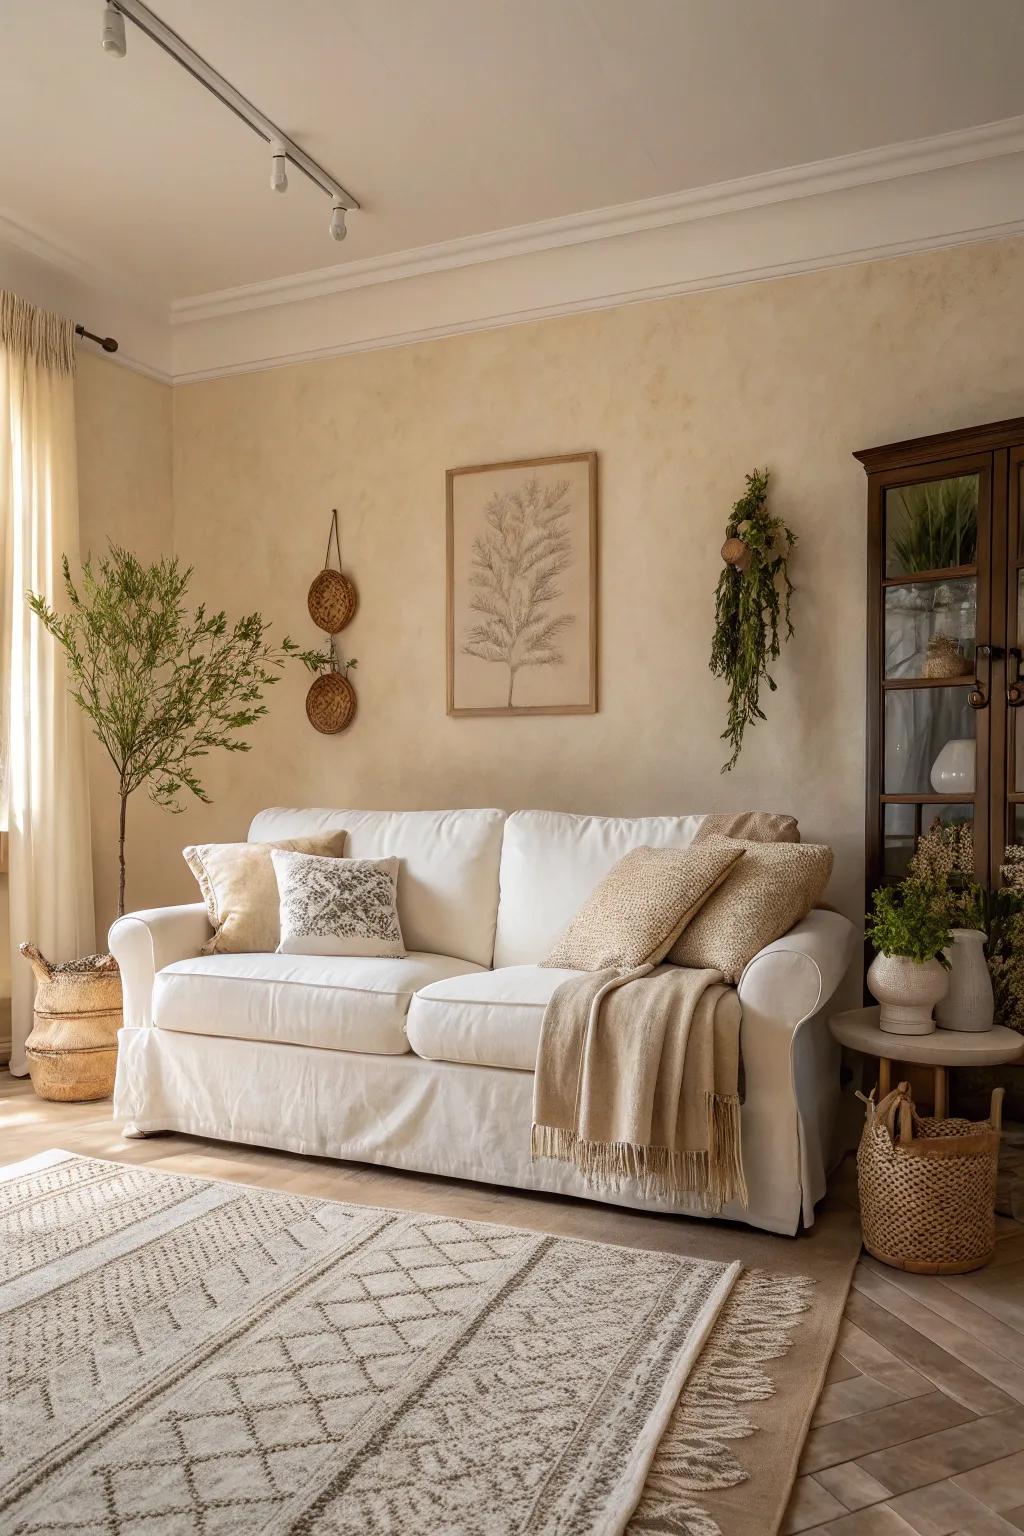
(906, 991)
(968, 1003)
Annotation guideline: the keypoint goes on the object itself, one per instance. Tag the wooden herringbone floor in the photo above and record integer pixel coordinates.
(921, 1426)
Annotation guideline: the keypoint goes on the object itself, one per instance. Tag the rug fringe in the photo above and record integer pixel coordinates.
(714, 1177)
(755, 1326)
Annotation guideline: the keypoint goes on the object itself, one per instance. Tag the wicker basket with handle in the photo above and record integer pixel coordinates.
(72, 1049)
(927, 1186)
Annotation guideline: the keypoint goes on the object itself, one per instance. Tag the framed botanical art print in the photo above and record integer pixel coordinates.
(522, 587)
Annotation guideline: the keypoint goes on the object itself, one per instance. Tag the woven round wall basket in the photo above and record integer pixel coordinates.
(332, 600)
(927, 1186)
(72, 1049)
(331, 704)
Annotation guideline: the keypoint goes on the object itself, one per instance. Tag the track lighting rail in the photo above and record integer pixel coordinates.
(161, 34)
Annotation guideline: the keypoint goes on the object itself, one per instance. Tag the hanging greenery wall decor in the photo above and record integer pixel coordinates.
(751, 603)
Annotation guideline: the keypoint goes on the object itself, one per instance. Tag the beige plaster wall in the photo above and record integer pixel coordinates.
(123, 423)
(679, 398)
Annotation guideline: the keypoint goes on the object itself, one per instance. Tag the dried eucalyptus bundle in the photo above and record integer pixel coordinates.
(751, 603)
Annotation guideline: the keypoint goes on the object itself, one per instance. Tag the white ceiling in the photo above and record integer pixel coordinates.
(449, 118)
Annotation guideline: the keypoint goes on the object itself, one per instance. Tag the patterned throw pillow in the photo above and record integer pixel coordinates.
(637, 912)
(238, 885)
(772, 887)
(338, 906)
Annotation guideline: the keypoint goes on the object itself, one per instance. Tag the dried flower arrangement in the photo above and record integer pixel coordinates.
(944, 861)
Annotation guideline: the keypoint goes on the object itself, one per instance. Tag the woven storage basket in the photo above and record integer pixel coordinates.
(72, 1049)
(332, 601)
(927, 1187)
(331, 703)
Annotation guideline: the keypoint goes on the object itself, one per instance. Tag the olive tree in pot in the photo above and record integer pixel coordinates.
(163, 686)
(909, 927)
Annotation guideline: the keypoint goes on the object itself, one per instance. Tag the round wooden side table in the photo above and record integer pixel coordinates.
(942, 1049)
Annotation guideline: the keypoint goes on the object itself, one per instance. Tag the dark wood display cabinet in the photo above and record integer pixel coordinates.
(945, 722)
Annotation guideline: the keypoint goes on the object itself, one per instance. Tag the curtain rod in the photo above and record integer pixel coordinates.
(106, 342)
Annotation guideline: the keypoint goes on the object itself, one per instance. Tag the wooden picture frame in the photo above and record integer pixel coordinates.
(552, 606)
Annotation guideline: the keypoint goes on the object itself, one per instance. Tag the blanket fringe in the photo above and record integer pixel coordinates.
(714, 1177)
(755, 1327)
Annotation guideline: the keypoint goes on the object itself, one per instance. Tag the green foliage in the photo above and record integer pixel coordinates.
(909, 919)
(162, 686)
(940, 526)
(325, 660)
(750, 605)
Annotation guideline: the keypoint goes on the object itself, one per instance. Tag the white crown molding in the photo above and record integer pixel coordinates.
(943, 191)
(386, 340)
(868, 167)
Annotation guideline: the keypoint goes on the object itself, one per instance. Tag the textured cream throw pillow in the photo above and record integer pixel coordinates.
(634, 916)
(338, 906)
(240, 890)
(772, 887)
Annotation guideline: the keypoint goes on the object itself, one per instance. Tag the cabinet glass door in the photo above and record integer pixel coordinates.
(930, 530)
(1014, 692)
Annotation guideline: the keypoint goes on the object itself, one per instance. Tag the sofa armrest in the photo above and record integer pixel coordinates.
(791, 1061)
(796, 976)
(142, 943)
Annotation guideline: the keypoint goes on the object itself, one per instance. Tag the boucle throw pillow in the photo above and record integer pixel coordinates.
(636, 913)
(237, 883)
(750, 826)
(338, 906)
(772, 887)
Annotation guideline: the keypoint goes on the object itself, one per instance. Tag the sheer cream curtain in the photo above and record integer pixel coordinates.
(43, 781)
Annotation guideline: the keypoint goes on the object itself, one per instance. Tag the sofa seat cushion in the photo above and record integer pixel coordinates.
(336, 1002)
(488, 1019)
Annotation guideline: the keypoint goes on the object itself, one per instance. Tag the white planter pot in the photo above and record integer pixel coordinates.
(906, 991)
(968, 1002)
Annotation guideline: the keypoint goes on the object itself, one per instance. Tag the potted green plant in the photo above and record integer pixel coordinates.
(163, 686)
(909, 927)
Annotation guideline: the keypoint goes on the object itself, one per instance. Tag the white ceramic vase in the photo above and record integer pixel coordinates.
(906, 991)
(968, 1001)
(953, 769)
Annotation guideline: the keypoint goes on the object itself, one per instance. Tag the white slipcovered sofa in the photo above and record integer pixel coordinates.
(427, 1062)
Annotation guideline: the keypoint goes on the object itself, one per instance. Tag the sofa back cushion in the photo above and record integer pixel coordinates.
(448, 877)
(551, 862)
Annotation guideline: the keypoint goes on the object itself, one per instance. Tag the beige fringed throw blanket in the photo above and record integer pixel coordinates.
(638, 1077)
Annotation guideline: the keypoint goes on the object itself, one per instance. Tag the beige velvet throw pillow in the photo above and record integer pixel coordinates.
(239, 887)
(636, 913)
(772, 887)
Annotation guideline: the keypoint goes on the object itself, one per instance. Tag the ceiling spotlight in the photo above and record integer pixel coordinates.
(278, 166)
(338, 230)
(112, 36)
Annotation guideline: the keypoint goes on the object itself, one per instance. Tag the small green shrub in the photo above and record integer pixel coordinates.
(909, 919)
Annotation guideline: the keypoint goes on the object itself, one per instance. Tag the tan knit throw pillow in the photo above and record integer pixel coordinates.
(239, 887)
(751, 826)
(636, 913)
(773, 886)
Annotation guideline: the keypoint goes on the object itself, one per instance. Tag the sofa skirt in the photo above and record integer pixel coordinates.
(437, 1117)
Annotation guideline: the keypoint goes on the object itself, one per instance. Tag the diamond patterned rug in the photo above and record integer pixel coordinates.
(179, 1355)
